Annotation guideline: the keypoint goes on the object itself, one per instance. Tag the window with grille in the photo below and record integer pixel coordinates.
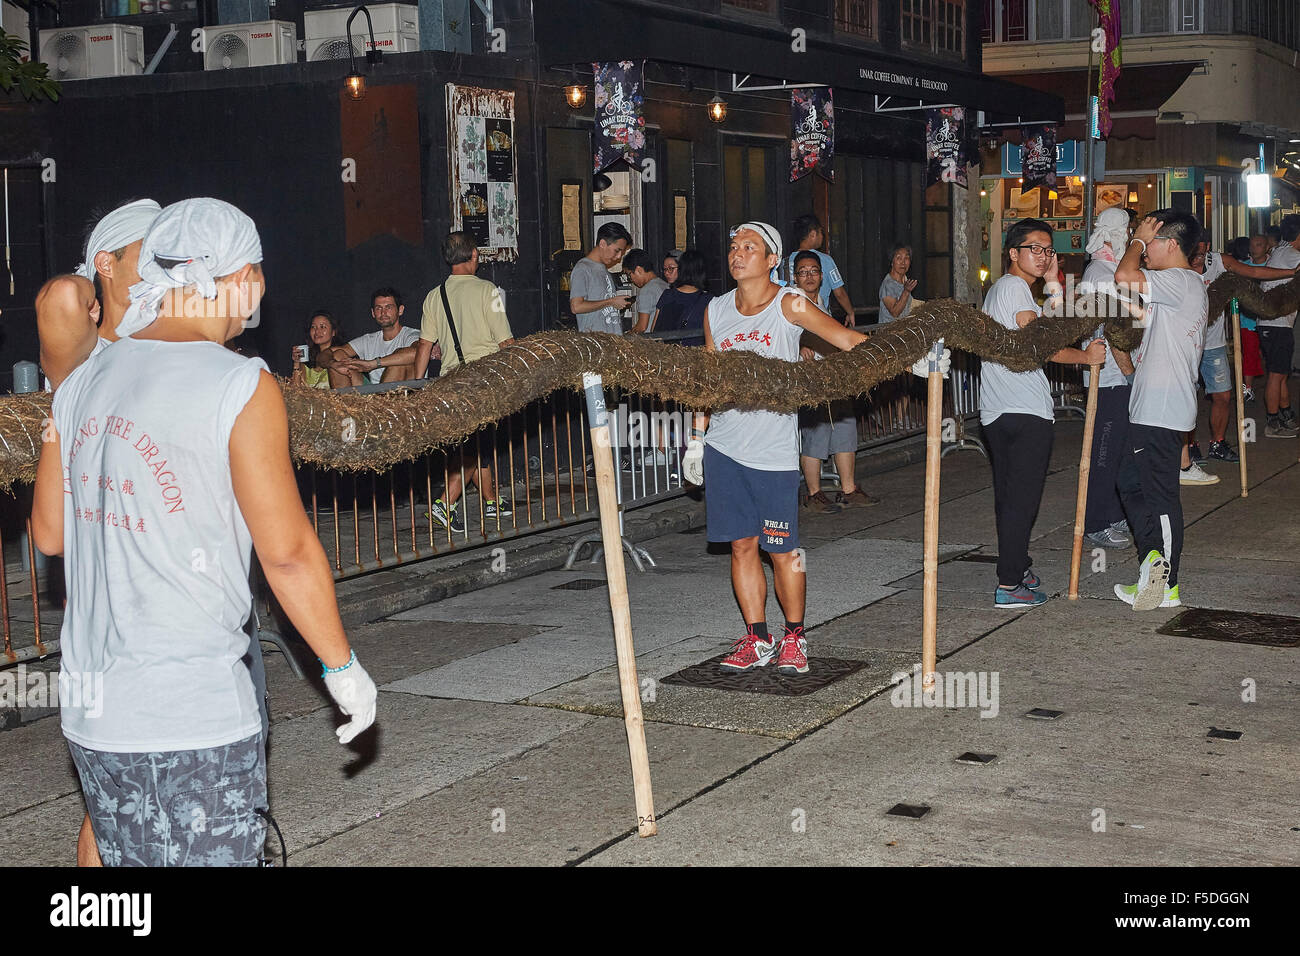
(935, 25)
(856, 16)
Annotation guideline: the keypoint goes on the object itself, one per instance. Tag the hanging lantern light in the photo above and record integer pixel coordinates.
(575, 95)
(717, 109)
(355, 85)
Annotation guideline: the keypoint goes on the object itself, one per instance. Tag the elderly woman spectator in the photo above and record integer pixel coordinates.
(896, 288)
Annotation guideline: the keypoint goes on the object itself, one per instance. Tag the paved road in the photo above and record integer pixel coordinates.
(500, 739)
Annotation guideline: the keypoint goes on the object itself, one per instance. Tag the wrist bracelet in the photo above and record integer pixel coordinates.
(697, 433)
(1136, 239)
(334, 670)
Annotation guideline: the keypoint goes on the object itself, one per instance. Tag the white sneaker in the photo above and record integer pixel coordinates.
(1196, 475)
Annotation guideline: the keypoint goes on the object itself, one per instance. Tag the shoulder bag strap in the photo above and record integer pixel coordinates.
(455, 339)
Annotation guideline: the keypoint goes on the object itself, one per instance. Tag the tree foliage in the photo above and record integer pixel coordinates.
(30, 78)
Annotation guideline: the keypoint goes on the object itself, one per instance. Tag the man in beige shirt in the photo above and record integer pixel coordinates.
(479, 315)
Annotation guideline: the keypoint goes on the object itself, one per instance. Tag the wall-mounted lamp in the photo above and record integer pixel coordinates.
(1132, 195)
(575, 95)
(717, 109)
(355, 83)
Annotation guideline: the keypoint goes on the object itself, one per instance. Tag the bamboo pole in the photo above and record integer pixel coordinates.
(1085, 466)
(1238, 384)
(618, 604)
(933, 453)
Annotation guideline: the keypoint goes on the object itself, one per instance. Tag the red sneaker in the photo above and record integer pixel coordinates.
(748, 652)
(793, 655)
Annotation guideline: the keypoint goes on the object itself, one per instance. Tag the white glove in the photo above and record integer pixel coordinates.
(922, 366)
(693, 462)
(355, 693)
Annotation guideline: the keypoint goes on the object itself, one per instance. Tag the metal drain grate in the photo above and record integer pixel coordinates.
(1270, 630)
(580, 584)
(822, 671)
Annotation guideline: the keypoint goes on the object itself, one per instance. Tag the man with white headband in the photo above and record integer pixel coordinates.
(752, 455)
(68, 331)
(169, 461)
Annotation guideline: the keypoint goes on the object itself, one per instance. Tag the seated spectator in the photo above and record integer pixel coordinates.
(896, 288)
(384, 356)
(640, 269)
(670, 265)
(322, 337)
(682, 305)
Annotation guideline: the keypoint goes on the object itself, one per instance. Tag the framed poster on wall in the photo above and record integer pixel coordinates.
(483, 166)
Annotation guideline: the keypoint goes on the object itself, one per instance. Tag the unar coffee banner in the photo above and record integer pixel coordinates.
(812, 133)
(945, 145)
(620, 119)
(1038, 157)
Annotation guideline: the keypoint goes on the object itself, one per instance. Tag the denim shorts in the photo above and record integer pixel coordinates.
(828, 430)
(178, 807)
(742, 502)
(1214, 370)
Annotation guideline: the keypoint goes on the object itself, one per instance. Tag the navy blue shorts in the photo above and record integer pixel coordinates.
(743, 502)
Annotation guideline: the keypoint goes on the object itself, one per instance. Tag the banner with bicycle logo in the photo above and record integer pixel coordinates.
(1038, 157)
(812, 133)
(620, 116)
(945, 145)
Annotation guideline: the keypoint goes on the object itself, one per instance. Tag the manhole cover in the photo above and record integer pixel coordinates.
(1270, 630)
(822, 671)
(979, 558)
(580, 584)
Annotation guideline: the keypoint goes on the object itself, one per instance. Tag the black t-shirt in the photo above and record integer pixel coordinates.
(681, 310)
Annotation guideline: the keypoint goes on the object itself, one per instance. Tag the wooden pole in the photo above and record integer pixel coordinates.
(1238, 384)
(616, 574)
(933, 453)
(1085, 466)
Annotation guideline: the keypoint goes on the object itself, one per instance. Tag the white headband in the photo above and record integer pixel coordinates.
(769, 234)
(206, 238)
(119, 228)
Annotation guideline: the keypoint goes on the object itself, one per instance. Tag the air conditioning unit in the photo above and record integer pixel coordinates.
(84, 53)
(397, 30)
(238, 45)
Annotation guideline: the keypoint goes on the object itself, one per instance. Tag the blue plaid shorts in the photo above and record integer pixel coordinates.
(176, 808)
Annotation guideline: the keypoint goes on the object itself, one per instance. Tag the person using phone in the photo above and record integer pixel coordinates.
(592, 294)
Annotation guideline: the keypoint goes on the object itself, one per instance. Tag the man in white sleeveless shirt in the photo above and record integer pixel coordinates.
(168, 461)
(752, 455)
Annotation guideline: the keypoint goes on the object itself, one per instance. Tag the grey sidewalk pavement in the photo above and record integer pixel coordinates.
(500, 738)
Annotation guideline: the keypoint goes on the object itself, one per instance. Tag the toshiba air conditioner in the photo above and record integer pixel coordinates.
(397, 30)
(236, 45)
(85, 53)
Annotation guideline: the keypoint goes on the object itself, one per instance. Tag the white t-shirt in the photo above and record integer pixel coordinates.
(1283, 256)
(1215, 335)
(100, 345)
(375, 346)
(1100, 274)
(1003, 391)
(757, 438)
(1169, 358)
(156, 549)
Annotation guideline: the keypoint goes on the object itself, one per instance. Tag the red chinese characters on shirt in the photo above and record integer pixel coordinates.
(753, 335)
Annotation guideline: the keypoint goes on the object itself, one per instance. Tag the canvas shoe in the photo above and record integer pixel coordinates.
(749, 652)
(1149, 592)
(821, 505)
(1032, 580)
(1222, 451)
(1194, 474)
(1109, 538)
(792, 656)
(1017, 599)
(1276, 429)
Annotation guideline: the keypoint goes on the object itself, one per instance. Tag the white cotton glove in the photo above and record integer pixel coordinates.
(922, 365)
(693, 462)
(355, 693)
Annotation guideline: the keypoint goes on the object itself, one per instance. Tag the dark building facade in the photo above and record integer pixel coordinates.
(276, 141)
